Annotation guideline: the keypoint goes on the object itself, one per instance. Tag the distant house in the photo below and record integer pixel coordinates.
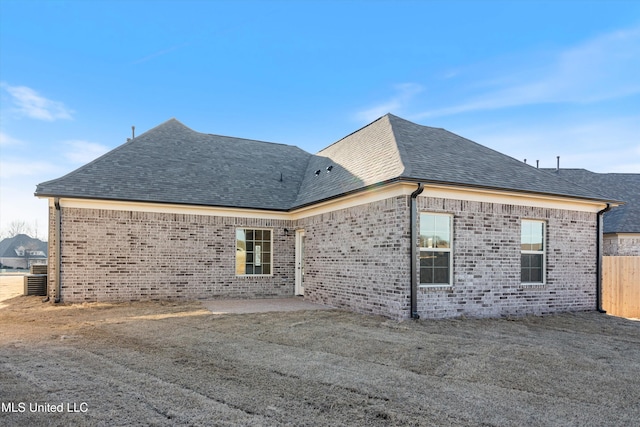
(621, 224)
(22, 251)
(396, 219)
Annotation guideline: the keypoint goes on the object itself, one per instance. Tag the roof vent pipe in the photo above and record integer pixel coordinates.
(133, 132)
(558, 164)
(537, 164)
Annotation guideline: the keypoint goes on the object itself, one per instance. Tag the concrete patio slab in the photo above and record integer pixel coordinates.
(236, 306)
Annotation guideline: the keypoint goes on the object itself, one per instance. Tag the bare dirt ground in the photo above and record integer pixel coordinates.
(179, 364)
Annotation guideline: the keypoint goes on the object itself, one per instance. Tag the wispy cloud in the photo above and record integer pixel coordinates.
(29, 103)
(605, 67)
(6, 140)
(23, 167)
(595, 144)
(80, 152)
(405, 92)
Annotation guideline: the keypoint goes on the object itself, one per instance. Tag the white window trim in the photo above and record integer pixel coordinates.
(543, 252)
(236, 251)
(449, 249)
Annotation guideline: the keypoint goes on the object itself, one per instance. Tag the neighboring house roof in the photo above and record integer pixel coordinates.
(10, 245)
(174, 164)
(618, 186)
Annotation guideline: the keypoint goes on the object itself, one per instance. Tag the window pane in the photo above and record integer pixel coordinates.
(434, 267)
(537, 237)
(535, 260)
(253, 251)
(441, 259)
(427, 259)
(531, 268)
(435, 231)
(536, 275)
(441, 275)
(532, 236)
(442, 230)
(426, 275)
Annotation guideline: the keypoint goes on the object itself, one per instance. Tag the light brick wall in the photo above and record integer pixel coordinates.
(112, 255)
(358, 258)
(486, 258)
(622, 244)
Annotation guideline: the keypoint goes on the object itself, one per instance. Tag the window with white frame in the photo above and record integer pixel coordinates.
(533, 249)
(436, 236)
(253, 251)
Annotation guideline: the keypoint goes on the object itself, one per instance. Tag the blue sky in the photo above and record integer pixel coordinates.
(531, 79)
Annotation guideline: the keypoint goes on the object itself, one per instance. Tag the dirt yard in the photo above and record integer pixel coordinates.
(179, 364)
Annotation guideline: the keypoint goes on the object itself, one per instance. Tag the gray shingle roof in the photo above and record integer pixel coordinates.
(174, 164)
(617, 186)
(10, 244)
(392, 148)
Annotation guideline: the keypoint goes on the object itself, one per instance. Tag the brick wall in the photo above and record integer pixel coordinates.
(122, 256)
(358, 258)
(355, 258)
(622, 244)
(486, 250)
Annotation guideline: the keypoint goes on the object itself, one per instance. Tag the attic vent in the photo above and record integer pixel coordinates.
(329, 168)
(318, 172)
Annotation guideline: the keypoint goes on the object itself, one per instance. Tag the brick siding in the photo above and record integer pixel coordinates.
(486, 259)
(622, 244)
(358, 258)
(112, 255)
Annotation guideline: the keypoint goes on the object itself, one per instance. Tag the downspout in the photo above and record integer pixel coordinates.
(599, 258)
(58, 218)
(414, 252)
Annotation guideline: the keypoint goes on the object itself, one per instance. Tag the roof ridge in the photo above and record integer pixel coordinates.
(355, 131)
(127, 143)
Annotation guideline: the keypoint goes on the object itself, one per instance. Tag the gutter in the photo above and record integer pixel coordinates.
(58, 237)
(599, 258)
(414, 251)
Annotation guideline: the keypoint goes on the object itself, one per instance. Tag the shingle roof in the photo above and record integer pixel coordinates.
(618, 186)
(392, 148)
(174, 164)
(10, 244)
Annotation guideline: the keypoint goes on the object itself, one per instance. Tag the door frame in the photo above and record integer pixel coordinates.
(299, 262)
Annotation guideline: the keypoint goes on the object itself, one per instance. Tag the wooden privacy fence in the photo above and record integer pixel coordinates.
(621, 285)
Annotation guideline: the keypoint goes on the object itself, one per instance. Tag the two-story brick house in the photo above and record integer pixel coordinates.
(396, 219)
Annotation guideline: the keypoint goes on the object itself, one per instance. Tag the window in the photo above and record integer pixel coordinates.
(253, 251)
(435, 249)
(532, 251)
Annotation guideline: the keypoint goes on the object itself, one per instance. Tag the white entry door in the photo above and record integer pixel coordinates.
(299, 262)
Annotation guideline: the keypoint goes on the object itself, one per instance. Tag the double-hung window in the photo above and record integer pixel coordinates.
(436, 263)
(532, 251)
(253, 251)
